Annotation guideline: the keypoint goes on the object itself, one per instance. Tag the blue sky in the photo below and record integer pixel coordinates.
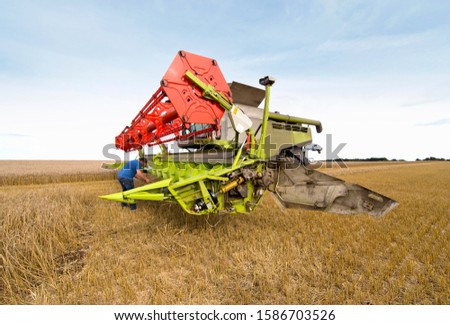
(376, 73)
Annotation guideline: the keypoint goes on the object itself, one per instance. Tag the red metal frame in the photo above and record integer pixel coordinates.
(177, 104)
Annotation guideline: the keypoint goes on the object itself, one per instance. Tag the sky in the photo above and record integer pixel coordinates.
(376, 73)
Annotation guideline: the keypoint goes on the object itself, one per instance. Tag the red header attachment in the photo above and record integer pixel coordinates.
(177, 104)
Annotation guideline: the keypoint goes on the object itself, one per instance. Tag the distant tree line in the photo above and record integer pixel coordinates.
(366, 159)
(432, 159)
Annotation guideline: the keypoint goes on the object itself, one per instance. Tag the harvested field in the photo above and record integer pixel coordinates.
(62, 245)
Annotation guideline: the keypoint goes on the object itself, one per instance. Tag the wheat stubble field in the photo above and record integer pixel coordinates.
(60, 244)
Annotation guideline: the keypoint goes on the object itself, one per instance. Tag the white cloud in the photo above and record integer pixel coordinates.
(379, 42)
(435, 123)
(368, 114)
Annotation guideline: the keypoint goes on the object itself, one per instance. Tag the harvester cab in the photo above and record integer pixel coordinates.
(233, 152)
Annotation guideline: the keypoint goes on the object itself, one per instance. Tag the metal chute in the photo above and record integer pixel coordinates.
(296, 186)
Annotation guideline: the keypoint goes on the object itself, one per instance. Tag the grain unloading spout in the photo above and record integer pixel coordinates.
(296, 186)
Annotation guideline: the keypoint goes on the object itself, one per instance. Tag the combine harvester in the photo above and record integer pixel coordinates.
(234, 152)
